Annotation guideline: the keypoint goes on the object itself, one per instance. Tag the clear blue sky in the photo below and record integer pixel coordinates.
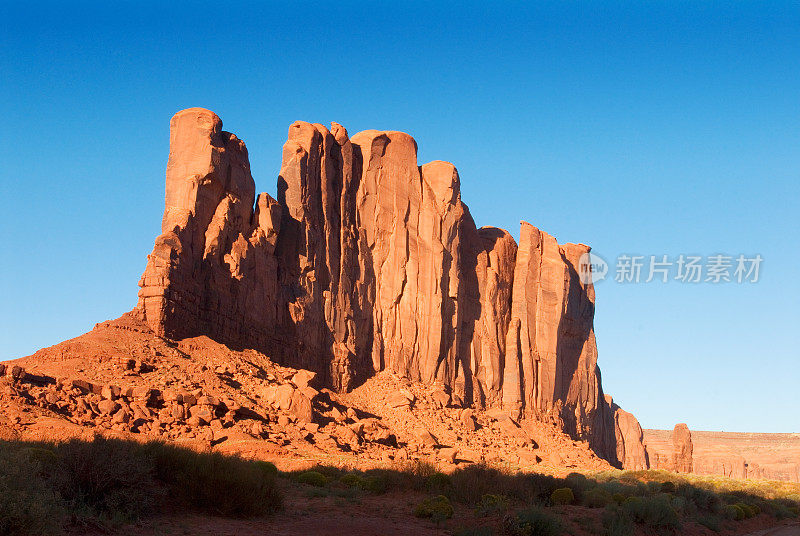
(642, 127)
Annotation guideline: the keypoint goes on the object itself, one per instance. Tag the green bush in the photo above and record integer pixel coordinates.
(701, 498)
(749, 511)
(711, 522)
(106, 482)
(579, 484)
(733, 512)
(597, 498)
(106, 479)
(655, 512)
(352, 480)
(533, 521)
(617, 522)
(216, 484)
(377, 484)
(619, 498)
(780, 510)
(28, 506)
(562, 496)
(47, 458)
(491, 504)
(667, 487)
(437, 508)
(438, 483)
(473, 482)
(268, 468)
(681, 505)
(312, 478)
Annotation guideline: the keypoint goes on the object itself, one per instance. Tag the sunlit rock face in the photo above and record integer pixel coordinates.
(368, 261)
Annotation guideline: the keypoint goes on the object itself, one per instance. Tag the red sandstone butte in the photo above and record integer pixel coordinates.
(367, 262)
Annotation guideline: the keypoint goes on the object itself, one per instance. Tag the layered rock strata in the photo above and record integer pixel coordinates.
(368, 261)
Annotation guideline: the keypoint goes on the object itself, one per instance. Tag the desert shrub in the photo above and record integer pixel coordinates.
(701, 498)
(614, 487)
(598, 498)
(680, 504)
(268, 468)
(780, 509)
(351, 480)
(109, 481)
(382, 480)
(790, 511)
(28, 505)
(653, 487)
(471, 483)
(46, 458)
(710, 521)
(414, 473)
(749, 511)
(617, 522)
(437, 508)
(619, 498)
(733, 512)
(533, 521)
(562, 496)
(491, 504)
(105, 479)
(635, 477)
(377, 484)
(438, 483)
(215, 484)
(539, 487)
(655, 512)
(667, 487)
(312, 478)
(579, 485)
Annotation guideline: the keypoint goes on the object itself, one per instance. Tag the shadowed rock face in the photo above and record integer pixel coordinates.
(368, 261)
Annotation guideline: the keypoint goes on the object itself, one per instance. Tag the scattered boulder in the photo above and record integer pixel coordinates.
(425, 438)
(303, 378)
(284, 395)
(107, 406)
(448, 454)
(440, 398)
(400, 399)
(301, 407)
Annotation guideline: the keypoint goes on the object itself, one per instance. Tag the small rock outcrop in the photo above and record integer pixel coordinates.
(682, 448)
(368, 261)
(631, 451)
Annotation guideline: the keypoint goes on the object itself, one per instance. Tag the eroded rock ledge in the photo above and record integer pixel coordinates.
(368, 261)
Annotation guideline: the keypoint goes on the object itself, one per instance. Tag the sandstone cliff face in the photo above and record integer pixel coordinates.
(368, 261)
(682, 448)
(629, 437)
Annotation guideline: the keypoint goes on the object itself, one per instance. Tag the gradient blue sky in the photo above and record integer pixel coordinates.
(638, 127)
